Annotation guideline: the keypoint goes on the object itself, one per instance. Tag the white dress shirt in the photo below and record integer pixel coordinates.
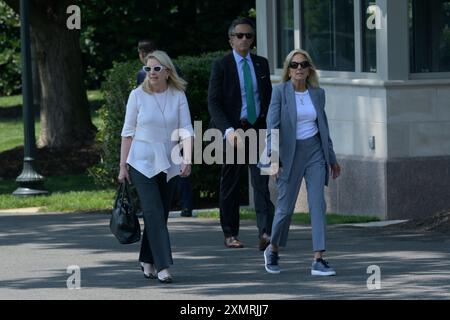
(152, 120)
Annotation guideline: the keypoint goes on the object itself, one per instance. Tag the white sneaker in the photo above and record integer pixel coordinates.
(164, 276)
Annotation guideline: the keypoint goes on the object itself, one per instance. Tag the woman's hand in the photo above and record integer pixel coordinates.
(123, 174)
(275, 170)
(335, 170)
(185, 170)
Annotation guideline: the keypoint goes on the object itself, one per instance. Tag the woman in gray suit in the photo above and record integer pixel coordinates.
(305, 151)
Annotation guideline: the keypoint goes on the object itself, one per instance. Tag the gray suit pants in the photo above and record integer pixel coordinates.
(309, 163)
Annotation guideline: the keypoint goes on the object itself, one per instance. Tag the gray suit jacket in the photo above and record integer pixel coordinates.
(282, 115)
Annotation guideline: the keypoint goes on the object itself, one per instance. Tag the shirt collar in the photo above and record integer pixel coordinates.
(238, 58)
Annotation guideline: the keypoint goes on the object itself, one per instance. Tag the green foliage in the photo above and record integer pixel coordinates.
(116, 89)
(120, 80)
(180, 27)
(10, 51)
(297, 218)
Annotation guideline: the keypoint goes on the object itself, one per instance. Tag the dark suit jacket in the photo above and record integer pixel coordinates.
(224, 92)
(140, 77)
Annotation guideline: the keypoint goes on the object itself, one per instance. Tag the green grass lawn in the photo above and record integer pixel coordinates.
(297, 218)
(94, 97)
(11, 133)
(11, 130)
(10, 101)
(68, 193)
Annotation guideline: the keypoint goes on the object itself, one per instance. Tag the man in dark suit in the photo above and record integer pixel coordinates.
(145, 47)
(238, 98)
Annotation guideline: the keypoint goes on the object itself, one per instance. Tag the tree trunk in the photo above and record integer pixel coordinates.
(65, 117)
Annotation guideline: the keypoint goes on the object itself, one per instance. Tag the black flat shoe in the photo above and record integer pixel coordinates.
(148, 275)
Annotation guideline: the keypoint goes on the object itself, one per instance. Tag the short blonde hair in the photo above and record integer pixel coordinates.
(313, 78)
(174, 79)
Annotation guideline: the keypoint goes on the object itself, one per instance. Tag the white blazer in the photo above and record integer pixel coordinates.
(153, 127)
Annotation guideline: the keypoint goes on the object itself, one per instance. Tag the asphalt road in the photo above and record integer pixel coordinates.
(37, 252)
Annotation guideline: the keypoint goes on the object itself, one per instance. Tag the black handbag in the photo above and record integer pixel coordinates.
(124, 223)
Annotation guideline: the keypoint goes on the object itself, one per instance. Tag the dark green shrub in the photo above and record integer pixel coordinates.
(120, 80)
(10, 69)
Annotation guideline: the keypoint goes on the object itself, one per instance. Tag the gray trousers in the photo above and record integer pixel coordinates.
(155, 195)
(309, 163)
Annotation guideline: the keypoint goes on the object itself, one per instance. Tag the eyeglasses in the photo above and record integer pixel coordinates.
(155, 68)
(304, 64)
(241, 35)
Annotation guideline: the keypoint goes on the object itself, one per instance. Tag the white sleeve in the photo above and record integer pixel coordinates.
(185, 124)
(129, 126)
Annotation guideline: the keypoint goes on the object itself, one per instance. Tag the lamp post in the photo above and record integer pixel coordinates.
(30, 182)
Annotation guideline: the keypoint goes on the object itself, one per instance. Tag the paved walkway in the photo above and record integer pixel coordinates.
(36, 249)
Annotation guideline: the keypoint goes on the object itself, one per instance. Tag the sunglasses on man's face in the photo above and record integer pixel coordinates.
(304, 64)
(155, 68)
(241, 35)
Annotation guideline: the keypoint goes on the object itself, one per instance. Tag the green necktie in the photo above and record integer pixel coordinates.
(248, 84)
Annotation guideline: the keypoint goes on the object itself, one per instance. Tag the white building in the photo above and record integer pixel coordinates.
(385, 67)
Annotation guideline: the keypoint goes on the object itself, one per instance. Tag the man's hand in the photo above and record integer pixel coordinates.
(235, 140)
(185, 170)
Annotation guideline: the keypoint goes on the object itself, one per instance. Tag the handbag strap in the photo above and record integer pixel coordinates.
(122, 192)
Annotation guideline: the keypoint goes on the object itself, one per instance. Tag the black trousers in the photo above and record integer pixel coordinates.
(229, 195)
(155, 195)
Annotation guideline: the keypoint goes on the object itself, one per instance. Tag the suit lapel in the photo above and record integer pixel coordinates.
(257, 67)
(234, 83)
(232, 67)
(290, 104)
(314, 94)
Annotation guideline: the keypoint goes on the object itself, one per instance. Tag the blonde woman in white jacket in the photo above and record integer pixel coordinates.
(157, 119)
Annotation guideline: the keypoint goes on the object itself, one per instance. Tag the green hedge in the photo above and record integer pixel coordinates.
(119, 82)
(10, 69)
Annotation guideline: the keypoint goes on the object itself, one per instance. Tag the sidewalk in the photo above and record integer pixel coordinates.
(36, 250)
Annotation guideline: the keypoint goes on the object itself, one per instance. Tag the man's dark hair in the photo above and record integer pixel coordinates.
(240, 20)
(146, 45)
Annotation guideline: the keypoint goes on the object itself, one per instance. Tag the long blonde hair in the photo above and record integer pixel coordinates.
(174, 79)
(313, 78)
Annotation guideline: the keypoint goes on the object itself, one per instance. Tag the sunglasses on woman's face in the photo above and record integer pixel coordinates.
(304, 64)
(155, 68)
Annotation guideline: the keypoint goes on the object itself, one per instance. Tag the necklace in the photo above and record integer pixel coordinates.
(302, 95)
(162, 109)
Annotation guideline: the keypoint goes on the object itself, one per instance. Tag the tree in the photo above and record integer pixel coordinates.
(65, 116)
